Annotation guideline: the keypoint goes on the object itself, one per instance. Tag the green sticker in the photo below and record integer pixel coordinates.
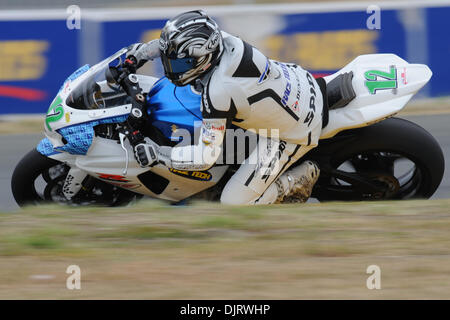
(389, 82)
(55, 112)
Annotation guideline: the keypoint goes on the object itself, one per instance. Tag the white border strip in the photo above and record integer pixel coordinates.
(118, 14)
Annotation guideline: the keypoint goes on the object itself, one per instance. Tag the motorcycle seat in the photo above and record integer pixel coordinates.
(339, 91)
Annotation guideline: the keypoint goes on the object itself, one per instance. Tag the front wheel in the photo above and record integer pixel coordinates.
(39, 179)
(393, 159)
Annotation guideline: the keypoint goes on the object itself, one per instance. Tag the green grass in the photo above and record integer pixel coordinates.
(152, 250)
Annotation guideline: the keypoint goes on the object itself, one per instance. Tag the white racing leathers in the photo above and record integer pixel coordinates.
(281, 102)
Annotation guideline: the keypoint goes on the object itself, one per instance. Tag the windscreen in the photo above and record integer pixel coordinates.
(95, 92)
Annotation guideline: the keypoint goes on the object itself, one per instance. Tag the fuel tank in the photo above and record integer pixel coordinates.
(171, 108)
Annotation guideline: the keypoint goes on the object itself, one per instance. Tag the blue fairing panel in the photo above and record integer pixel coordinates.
(169, 105)
(79, 137)
(45, 148)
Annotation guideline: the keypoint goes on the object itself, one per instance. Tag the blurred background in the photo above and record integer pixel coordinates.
(41, 44)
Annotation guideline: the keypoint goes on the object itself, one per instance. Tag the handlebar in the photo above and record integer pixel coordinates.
(124, 75)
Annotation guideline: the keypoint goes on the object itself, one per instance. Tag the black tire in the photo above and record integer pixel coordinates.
(392, 135)
(25, 174)
(33, 164)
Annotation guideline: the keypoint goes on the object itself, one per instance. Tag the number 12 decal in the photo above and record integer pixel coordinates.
(373, 83)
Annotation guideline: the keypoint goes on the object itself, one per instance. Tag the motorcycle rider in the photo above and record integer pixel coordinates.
(239, 86)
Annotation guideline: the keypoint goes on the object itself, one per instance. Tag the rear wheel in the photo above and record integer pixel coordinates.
(393, 159)
(38, 179)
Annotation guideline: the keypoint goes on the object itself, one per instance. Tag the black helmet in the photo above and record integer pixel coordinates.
(190, 44)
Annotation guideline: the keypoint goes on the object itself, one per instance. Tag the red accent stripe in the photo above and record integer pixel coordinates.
(22, 93)
(320, 75)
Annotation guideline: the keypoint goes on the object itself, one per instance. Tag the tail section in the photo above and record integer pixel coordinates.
(383, 85)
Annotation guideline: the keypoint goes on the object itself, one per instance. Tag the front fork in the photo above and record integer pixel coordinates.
(73, 182)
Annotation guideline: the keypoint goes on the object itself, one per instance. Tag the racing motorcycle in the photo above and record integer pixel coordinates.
(87, 155)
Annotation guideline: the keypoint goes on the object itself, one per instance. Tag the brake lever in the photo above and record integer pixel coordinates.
(122, 138)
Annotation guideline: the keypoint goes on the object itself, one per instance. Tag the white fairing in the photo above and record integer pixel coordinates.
(368, 108)
(106, 159)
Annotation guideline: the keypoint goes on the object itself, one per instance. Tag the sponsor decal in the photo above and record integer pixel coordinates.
(211, 131)
(208, 136)
(282, 145)
(287, 89)
(312, 100)
(55, 112)
(285, 71)
(297, 78)
(194, 175)
(297, 96)
(286, 94)
(381, 80)
(219, 128)
(190, 166)
(403, 75)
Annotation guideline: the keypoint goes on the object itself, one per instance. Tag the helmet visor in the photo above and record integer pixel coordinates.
(175, 68)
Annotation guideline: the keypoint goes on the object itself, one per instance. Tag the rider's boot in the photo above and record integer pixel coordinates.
(298, 182)
(295, 185)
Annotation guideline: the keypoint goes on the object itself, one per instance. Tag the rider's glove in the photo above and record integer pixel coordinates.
(140, 53)
(145, 154)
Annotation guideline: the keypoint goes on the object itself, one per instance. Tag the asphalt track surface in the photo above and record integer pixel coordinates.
(13, 147)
